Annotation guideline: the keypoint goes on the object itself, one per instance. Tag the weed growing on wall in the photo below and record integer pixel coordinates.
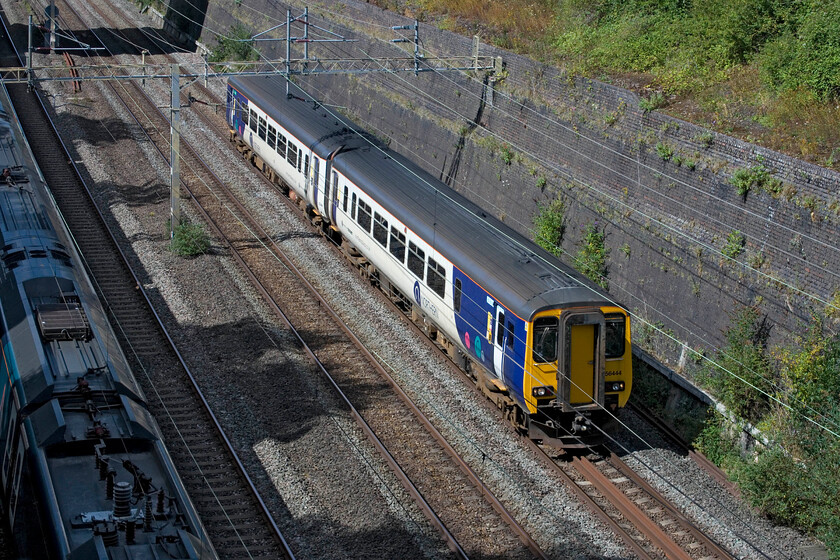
(237, 45)
(591, 258)
(550, 226)
(758, 176)
(735, 243)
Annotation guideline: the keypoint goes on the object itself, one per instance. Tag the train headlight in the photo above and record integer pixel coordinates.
(543, 391)
(614, 386)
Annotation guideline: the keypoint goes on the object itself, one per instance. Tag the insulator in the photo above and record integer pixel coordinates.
(122, 499)
(147, 518)
(108, 532)
(161, 499)
(109, 484)
(103, 468)
(130, 530)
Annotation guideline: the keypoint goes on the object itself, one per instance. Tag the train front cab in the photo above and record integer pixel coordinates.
(578, 373)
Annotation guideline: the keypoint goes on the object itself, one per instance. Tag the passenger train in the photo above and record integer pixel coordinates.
(542, 341)
(84, 473)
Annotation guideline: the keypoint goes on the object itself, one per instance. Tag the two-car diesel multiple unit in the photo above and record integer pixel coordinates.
(541, 340)
(83, 471)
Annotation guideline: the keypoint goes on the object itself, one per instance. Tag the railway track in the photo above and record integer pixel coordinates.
(230, 508)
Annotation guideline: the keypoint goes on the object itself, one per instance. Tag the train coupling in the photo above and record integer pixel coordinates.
(581, 425)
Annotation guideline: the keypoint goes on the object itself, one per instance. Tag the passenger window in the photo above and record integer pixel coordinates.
(456, 295)
(344, 200)
(615, 336)
(380, 229)
(546, 331)
(272, 137)
(252, 122)
(398, 244)
(353, 209)
(292, 155)
(281, 145)
(436, 277)
(416, 260)
(261, 131)
(510, 335)
(364, 216)
(500, 329)
(306, 166)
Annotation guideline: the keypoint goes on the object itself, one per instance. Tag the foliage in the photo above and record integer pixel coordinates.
(806, 54)
(735, 243)
(550, 226)
(190, 240)
(237, 45)
(591, 258)
(757, 176)
(655, 101)
(507, 154)
(744, 376)
(793, 480)
(665, 151)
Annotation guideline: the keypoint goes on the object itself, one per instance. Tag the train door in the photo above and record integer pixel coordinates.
(324, 208)
(316, 169)
(499, 342)
(334, 198)
(584, 359)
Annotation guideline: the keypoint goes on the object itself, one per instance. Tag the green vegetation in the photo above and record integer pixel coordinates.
(735, 243)
(146, 4)
(550, 226)
(591, 258)
(237, 45)
(655, 101)
(507, 154)
(665, 151)
(764, 70)
(744, 180)
(190, 240)
(794, 479)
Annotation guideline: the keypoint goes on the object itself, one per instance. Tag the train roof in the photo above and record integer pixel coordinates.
(519, 273)
(83, 414)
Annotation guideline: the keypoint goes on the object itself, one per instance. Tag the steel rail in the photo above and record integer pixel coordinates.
(712, 547)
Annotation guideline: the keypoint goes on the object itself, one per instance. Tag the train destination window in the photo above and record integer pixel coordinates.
(510, 335)
(344, 198)
(272, 137)
(545, 339)
(615, 336)
(500, 329)
(364, 215)
(380, 229)
(436, 277)
(262, 129)
(416, 260)
(253, 121)
(281, 145)
(397, 244)
(456, 295)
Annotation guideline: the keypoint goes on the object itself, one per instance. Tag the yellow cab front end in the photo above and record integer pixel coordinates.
(578, 372)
